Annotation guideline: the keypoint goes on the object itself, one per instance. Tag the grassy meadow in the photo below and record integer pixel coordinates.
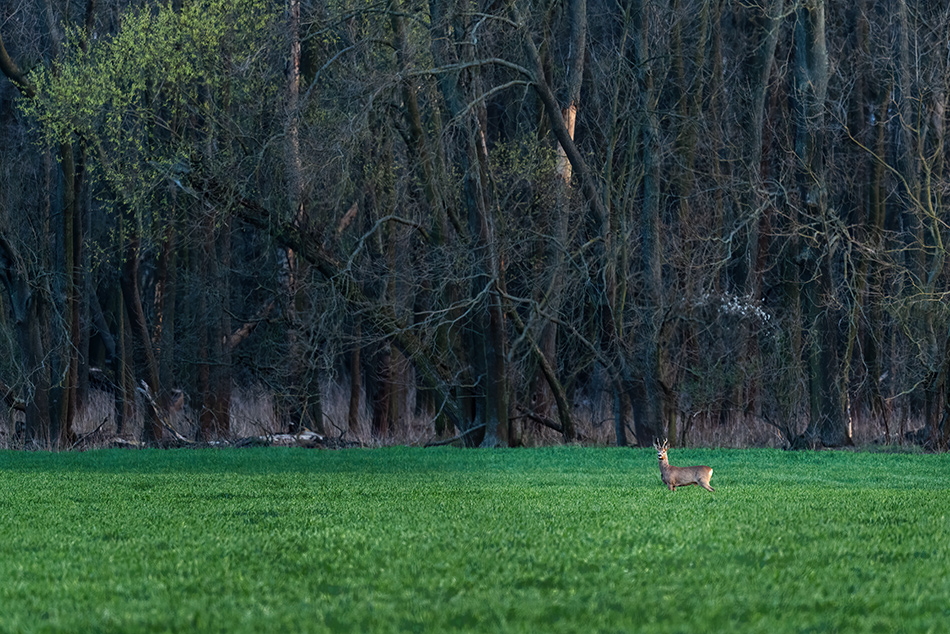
(563, 539)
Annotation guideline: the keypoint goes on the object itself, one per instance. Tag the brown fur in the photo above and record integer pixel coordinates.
(681, 476)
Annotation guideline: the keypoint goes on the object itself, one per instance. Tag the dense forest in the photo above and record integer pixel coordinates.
(494, 222)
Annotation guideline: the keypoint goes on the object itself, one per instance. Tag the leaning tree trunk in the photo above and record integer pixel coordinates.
(143, 351)
(598, 216)
(554, 219)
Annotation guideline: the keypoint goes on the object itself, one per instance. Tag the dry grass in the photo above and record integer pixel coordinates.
(253, 413)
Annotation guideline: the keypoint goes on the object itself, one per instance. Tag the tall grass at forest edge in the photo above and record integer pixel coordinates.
(563, 539)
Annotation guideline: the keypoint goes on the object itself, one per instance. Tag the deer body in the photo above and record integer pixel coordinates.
(681, 476)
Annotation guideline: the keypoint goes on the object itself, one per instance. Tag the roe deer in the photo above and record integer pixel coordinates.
(680, 476)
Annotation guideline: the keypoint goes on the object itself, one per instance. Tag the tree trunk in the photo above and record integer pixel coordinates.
(166, 296)
(124, 369)
(752, 106)
(486, 338)
(826, 419)
(353, 414)
(547, 371)
(383, 393)
(26, 306)
(860, 201)
(577, 49)
(215, 370)
(554, 223)
(302, 404)
(143, 353)
(648, 405)
(71, 228)
(55, 427)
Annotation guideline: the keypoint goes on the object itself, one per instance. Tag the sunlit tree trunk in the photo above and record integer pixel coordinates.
(577, 49)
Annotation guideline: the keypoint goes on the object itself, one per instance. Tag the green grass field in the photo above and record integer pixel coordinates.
(440, 540)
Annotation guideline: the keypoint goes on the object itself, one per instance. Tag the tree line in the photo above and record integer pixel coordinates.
(692, 212)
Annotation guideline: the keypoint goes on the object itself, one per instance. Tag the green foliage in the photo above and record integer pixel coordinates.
(523, 161)
(146, 99)
(556, 540)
